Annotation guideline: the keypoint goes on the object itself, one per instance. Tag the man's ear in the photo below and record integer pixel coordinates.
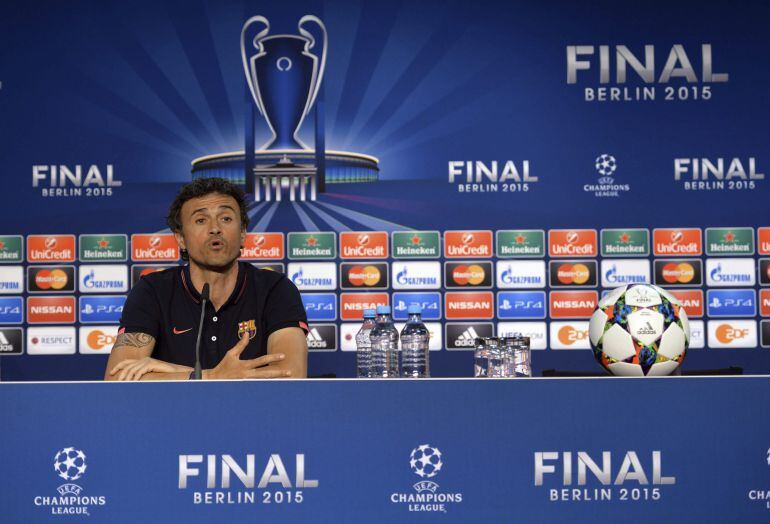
(180, 239)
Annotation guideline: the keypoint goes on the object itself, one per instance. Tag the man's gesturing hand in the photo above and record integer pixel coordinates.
(232, 366)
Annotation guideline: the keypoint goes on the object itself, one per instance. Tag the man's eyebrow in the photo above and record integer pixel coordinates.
(205, 210)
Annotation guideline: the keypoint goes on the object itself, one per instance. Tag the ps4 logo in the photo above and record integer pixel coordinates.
(11, 310)
(320, 306)
(101, 309)
(731, 303)
(521, 304)
(430, 303)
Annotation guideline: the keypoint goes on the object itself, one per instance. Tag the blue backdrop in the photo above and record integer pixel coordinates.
(149, 87)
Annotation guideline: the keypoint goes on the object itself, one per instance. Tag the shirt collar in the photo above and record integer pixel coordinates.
(240, 285)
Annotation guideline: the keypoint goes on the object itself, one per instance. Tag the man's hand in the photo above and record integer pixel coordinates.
(133, 369)
(231, 366)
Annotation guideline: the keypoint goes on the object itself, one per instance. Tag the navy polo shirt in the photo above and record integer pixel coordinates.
(166, 306)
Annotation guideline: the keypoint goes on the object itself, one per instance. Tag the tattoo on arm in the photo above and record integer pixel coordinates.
(133, 340)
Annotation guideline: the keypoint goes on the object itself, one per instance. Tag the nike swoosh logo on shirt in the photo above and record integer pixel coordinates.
(180, 331)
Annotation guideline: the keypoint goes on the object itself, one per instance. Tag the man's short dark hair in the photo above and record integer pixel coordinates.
(201, 187)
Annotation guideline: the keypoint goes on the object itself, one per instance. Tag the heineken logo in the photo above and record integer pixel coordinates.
(730, 241)
(318, 245)
(528, 243)
(416, 244)
(625, 242)
(103, 248)
(11, 249)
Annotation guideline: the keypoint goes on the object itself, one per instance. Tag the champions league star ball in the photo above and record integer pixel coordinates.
(70, 463)
(639, 330)
(606, 164)
(425, 461)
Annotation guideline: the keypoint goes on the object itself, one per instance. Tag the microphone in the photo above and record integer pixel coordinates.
(204, 298)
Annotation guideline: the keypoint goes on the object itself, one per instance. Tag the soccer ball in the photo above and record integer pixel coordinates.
(606, 164)
(70, 463)
(639, 330)
(425, 460)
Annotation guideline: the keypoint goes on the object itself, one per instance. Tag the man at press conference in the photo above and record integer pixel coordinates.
(254, 322)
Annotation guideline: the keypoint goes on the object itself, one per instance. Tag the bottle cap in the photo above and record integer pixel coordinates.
(369, 313)
(383, 310)
(414, 309)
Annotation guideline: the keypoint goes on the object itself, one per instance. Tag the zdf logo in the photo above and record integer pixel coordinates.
(569, 335)
(732, 334)
(727, 333)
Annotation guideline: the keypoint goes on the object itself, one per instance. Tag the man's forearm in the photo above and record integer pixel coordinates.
(157, 375)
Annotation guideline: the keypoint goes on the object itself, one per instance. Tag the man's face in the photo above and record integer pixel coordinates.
(211, 230)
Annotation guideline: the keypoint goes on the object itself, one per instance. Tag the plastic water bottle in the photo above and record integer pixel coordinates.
(384, 340)
(415, 339)
(364, 345)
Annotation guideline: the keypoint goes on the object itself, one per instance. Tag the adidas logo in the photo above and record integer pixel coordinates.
(315, 340)
(467, 338)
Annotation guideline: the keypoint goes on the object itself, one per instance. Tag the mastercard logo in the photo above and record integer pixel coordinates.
(568, 335)
(364, 276)
(726, 333)
(678, 273)
(53, 279)
(573, 274)
(99, 340)
(468, 275)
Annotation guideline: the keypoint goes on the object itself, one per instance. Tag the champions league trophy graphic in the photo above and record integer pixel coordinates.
(284, 75)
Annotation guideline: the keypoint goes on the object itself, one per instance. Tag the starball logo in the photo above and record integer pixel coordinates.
(71, 465)
(478, 176)
(687, 73)
(606, 167)
(426, 461)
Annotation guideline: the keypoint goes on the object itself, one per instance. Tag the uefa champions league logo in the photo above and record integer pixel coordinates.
(70, 463)
(426, 462)
(606, 165)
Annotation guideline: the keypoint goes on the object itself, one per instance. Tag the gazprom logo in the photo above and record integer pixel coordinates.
(521, 304)
(429, 302)
(311, 276)
(624, 272)
(730, 272)
(417, 275)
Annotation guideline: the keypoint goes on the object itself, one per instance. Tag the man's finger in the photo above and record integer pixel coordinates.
(265, 360)
(120, 365)
(241, 345)
(267, 373)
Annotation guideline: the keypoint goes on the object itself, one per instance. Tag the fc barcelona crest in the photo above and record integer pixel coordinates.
(247, 326)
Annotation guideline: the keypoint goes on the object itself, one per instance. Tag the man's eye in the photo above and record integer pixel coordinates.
(199, 221)
(227, 219)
